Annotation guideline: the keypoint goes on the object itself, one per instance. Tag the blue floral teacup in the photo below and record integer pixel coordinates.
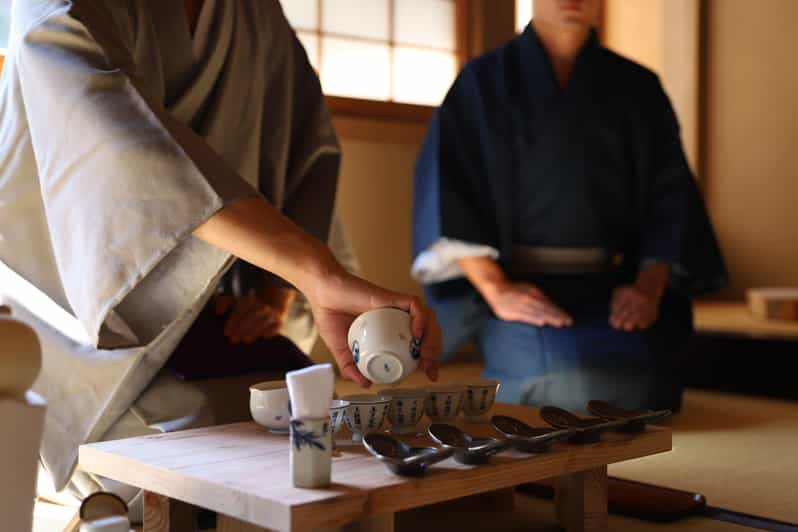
(337, 414)
(383, 346)
(478, 400)
(365, 414)
(406, 409)
(444, 402)
(269, 405)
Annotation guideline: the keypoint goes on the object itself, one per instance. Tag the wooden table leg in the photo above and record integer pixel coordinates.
(581, 500)
(162, 514)
(376, 523)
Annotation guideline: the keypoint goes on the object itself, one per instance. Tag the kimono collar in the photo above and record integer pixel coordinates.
(538, 72)
(194, 63)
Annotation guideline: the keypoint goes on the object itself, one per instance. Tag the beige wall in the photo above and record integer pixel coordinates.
(634, 28)
(375, 199)
(663, 35)
(752, 138)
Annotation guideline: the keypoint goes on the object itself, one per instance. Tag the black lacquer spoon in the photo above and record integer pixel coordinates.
(528, 439)
(400, 458)
(586, 430)
(467, 448)
(636, 420)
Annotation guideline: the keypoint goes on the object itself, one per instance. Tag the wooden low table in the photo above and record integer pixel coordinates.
(241, 472)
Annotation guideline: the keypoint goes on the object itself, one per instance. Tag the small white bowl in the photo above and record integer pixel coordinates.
(406, 409)
(478, 400)
(365, 414)
(270, 405)
(337, 414)
(444, 402)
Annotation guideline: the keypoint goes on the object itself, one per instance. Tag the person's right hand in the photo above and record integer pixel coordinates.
(338, 298)
(526, 303)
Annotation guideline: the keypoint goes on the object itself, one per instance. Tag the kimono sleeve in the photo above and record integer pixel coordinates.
(315, 157)
(450, 203)
(667, 187)
(123, 183)
(677, 228)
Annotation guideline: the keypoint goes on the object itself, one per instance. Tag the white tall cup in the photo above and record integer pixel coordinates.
(310, 457)
(383, 346)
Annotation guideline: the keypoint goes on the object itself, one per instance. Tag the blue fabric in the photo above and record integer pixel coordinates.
(565, 367)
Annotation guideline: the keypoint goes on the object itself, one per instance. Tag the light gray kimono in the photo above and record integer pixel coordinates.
(120, 133)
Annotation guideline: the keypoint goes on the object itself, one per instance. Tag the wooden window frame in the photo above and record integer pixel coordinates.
(342, 106)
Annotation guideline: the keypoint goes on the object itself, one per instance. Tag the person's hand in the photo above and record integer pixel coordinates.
(526, 303)
(253, 317)
(337, 299)
(632, 309)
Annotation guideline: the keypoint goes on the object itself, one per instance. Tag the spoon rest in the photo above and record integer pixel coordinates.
(525, 438)
(400, 458)
(585, 430)
(467, 449)
(636, 420)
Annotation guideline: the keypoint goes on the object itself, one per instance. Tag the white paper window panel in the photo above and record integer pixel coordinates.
(311, 43)
(355, 68)
(301, 14)
(425, 23)
(422, 76)
(359, 18)
(523, 14)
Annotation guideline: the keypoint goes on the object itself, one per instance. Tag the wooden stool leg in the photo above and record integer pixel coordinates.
(162, 514)
(581, 500)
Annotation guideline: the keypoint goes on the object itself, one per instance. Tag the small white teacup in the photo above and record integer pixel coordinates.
(479, 399)
(365, 414)
(270, 405)
(444, 402)
(383, 346)
(406, 409)
(337, 414)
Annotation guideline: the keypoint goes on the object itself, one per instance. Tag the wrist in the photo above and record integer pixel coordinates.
(652, 280)
(318, 266)
(490, 289)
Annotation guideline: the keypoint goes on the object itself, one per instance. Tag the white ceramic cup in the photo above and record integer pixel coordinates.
(365, 414)
(478, 400)
(310, 457)
(383, 346)
(270, 405)
(406, 408)
(444, 402)
(337, 414)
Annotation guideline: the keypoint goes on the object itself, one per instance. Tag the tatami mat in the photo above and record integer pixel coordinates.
(740, 452)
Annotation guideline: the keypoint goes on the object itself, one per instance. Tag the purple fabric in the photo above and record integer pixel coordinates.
(205, 352)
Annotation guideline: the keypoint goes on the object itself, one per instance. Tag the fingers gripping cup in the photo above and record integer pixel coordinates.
(383, 346)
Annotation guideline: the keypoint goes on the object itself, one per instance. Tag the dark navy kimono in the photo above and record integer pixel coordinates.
(512, 159)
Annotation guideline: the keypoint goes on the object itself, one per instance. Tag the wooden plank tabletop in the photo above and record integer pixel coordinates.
(241, 470)
(730, 318)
